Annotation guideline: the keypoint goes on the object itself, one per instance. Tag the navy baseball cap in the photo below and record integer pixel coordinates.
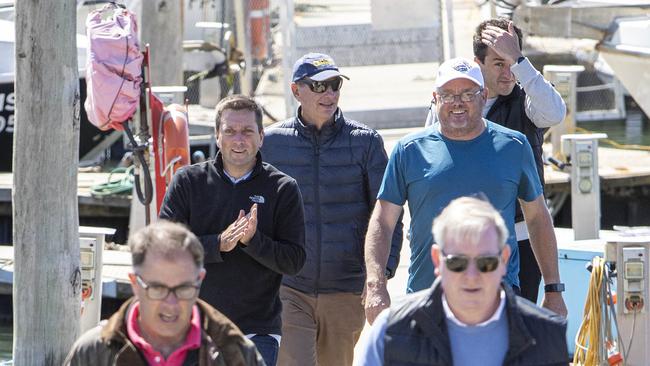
(316, 66)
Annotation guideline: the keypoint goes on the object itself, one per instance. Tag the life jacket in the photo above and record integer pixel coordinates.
(113, 68)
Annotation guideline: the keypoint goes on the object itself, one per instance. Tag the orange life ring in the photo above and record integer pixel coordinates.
(176, 140)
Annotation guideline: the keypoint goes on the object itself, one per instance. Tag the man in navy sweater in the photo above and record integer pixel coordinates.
(338, 164)
(249, 218)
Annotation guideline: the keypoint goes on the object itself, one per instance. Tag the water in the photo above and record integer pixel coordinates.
(634, 130)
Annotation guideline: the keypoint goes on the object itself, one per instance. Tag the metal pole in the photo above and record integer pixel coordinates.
(447, 21)
(243, 44)
(288, 52)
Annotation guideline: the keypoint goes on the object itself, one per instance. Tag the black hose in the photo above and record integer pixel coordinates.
(146, 197)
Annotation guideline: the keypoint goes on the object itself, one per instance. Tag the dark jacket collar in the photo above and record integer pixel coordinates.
(431, 318)
(218, 164)
(501, 99)
(327, 132)
(519, 337)
(215, 327)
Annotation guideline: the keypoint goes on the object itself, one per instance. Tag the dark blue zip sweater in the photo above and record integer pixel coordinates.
(244, 283)
(339, 170)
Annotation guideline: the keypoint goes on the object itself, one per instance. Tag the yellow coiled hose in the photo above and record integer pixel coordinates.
(594, 338)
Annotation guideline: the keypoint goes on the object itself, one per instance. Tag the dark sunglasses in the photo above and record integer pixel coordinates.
(460, 262)
(321, 86)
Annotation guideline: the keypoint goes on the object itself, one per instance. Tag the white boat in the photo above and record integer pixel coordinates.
(621, 27)
(626, 49)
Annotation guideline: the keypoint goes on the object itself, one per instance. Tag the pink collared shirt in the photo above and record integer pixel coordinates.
(192, 341)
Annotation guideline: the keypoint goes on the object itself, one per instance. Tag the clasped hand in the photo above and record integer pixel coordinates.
(240, 231)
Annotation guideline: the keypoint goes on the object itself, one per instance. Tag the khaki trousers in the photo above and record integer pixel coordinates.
(321, 330)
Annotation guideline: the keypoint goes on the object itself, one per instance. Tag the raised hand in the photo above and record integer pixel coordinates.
(233, 233)
(251, 227)
(504, 43)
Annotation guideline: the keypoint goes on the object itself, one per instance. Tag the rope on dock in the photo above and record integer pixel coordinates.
(123, 185)
(616, 144)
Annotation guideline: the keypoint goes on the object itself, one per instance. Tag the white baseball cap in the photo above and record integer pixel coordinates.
(459, 68)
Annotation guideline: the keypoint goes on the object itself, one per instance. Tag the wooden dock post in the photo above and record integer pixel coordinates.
(47, 280)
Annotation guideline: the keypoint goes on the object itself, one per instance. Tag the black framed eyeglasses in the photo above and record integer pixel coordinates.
(460, 262)
(160, 292)
(464, 97)
(320, 87)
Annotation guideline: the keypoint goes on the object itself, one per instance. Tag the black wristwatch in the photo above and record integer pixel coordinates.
(521, 59)
(554, 287)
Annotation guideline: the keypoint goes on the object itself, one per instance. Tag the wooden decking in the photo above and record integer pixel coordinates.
(115, 283)
(113, 206)
(616, 167)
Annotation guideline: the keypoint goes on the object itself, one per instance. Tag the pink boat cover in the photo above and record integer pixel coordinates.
(114, 67)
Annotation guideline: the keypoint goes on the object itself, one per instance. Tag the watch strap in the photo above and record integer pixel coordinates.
(554, 287)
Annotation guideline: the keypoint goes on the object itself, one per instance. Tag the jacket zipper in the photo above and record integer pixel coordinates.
(316, 166)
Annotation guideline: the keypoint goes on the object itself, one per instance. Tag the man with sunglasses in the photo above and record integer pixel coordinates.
(338, 164)
(468, 316)
(165, 323)
(521, 99)
(461, 155)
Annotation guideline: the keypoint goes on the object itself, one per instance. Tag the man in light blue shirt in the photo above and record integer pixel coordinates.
(469, 316)
(462, 155)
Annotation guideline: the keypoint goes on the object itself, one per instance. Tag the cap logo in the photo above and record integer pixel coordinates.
(462, 66)
(321, 62)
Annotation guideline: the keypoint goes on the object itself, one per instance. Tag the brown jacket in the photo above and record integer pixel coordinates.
(222, 343)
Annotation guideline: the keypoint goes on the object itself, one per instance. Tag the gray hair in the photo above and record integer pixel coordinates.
(166, 238)
(467, 218)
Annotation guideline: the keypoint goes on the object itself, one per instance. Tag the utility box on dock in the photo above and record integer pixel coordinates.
(564, 78)
(582, 152)
(633, 289)
(91, 242)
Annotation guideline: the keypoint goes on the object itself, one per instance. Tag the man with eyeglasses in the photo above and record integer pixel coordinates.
(468, 316)
(249, 217)
(521, 99)
(338, 164)
(165, 323)
(464, 154)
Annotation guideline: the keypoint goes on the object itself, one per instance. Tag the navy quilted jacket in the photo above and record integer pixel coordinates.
(339, 170)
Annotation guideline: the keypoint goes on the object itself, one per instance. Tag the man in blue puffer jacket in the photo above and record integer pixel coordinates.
(339, 165)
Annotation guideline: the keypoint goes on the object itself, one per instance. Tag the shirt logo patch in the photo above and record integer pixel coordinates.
(257, 199)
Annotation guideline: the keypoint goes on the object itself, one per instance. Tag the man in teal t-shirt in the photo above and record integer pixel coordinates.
(462, 155)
